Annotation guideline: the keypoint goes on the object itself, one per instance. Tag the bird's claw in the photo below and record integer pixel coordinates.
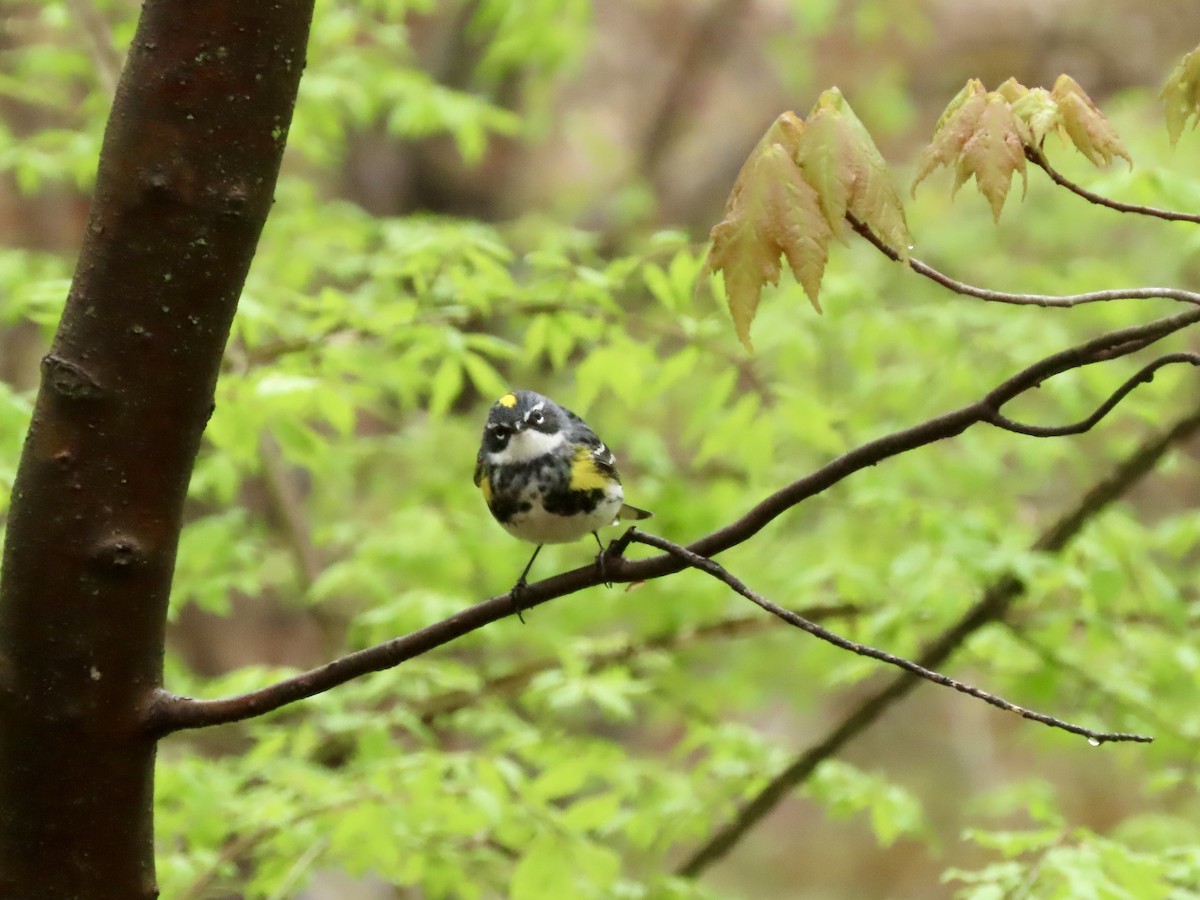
(602, 566)
(514, 596)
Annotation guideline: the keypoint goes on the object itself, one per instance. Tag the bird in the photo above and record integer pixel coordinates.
(546, 477)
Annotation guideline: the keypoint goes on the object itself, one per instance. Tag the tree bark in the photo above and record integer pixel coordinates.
(187, 172)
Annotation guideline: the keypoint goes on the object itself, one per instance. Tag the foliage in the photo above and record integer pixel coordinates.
(986, 134)
(792, 195)
(1181, 94)
(584, 753)
(806, 178)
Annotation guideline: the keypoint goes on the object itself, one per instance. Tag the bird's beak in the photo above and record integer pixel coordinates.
(520, 426)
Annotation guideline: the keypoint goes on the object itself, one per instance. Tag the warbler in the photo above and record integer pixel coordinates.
(546, 477)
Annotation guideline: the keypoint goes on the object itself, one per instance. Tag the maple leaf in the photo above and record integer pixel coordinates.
(1012, 91)
(954, 127)
(1181, 94)
(993, 152)
(981, 137)
(819, 156)
(772, 212)
(1091, 133)
(792, 197)
(839, 159)
(1038, 110)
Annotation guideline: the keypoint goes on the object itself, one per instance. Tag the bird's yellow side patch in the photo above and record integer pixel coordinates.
(485, 485)
(508, 401)
(584, 474)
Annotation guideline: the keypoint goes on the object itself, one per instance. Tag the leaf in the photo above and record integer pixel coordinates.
(980, 135)
(954, 127)
(1091, 133)
(825, 167)
(856, 162)
(792, 195)
(483, 375)
(545, 870)
(771, 211)
(994, 152)
(554, 867)
(1013, 91)
(594, 813)
(1181, 95)
(1037, 109)
(446, 386)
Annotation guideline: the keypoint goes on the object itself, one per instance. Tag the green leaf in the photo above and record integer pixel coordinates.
(859, 168)
(1181, 94)
(446, 385)
(980, 137)
(545, 871)
(772, 211)
(993, 152)
(595, 813)
(1092, 134)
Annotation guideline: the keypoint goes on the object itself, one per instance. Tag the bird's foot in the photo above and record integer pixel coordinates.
(601, 560)
(516, 595)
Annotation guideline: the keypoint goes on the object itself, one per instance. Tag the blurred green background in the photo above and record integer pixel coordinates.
(478, 195)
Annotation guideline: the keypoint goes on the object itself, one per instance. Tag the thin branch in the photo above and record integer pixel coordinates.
(104, 51)
(1144, 376)
(1038, 158)
(238, 847)
(990, 607)
(1064, 301)
(1053, 659)
(716, 570)
(272, 351)
(288, 505)
(167, 712)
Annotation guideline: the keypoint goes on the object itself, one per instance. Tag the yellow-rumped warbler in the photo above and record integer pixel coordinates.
(546, 476)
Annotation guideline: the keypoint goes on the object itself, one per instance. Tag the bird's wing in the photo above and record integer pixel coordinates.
(604, 460)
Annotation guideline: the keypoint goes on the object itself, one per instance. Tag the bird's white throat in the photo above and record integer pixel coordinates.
(526, 445)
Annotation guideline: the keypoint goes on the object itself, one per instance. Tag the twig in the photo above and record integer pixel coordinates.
(1038, 158)
(288, 506)
(1064, 301)
(716, 570)
(238, 846)
(1052, 658)
(104, 52)
(991, 606)
(166, 712)
(1143, 376)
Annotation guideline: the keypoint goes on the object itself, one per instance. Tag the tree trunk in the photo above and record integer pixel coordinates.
(186, 177)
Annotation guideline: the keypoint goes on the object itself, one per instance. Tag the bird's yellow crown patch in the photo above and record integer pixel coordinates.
(508, 401)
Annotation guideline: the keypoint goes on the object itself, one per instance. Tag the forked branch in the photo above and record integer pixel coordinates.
(716, 570)
(990, 607)
(168, 712)
(1144, 376)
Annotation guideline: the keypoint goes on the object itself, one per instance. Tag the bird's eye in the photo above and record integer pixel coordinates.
(536, 418)
(500, 431)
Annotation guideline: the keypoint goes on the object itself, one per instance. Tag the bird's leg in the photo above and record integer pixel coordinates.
(519, 587)
(600, 560)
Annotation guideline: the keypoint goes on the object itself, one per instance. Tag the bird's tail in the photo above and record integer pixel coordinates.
(632, 512)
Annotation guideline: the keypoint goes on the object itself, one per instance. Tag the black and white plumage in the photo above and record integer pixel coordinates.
(545, 475)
